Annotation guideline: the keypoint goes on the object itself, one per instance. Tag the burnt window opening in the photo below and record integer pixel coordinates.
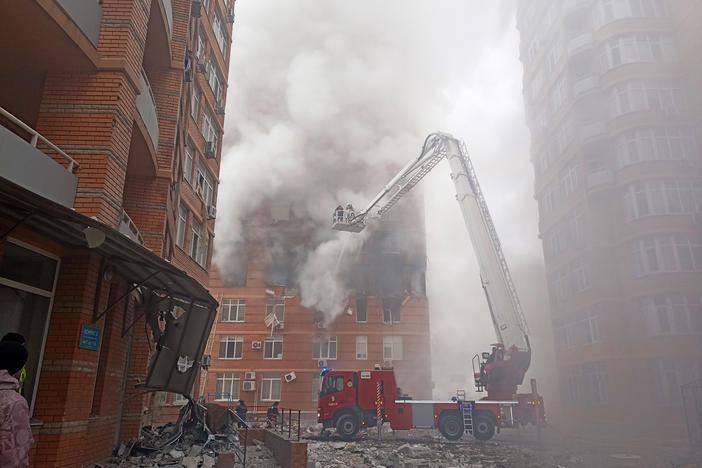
(277, 307)
(392, 307)
(318, 319)
(362, 309)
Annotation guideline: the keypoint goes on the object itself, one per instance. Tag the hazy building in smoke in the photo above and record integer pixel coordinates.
(612, 96)
(385, 322)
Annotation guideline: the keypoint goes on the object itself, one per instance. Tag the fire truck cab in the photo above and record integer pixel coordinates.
(351, 400)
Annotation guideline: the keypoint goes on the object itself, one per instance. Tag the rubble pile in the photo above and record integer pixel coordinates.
(427, 452)
(201, 434)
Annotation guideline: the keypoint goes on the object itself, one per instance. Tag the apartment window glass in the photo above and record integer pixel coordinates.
(233, 310)
(361, 309)
(361, 348)
(652, 144)
(595, 376)
(214, 80)
(201, 45)
(569, 179)
(662, 95)
(663, 198)
(581, 275)
(179, 399)
(205, 183)
(273, 347)
(209, 131)
(27, 277)
(230, 346)
(559, 94)
(219, 33)
(668, 314)
(670, 253)
(195, 102)
(206, 4)
(195, 239)
(182, 225)
(188, 163)
(324, 347)
(392, 348)
(227, 386)
(590, 327)
(270, 386)
(203, 252)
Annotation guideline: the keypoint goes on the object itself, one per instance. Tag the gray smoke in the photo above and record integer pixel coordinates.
(327, 99)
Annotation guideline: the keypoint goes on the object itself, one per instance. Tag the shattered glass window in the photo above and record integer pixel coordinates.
(392, 309)
(361, 309)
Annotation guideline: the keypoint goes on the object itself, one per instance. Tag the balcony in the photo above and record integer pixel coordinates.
(144, 145)
(127, 228)
(22, 163)
(593, 131)
(599, 179)
(86, 15)
(157, 50)
(579, 43)
(585, 85)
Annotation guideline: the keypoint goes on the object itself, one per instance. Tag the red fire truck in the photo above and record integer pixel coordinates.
(350, 399)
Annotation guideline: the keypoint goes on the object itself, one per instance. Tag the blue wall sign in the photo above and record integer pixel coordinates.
(89, 338)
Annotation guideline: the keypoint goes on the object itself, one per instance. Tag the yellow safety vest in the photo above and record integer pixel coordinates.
(22, 377)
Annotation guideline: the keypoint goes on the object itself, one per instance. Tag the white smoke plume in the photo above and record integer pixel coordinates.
(326, 100)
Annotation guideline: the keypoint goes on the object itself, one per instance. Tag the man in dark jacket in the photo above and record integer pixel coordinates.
(241, 411)
(272, 414)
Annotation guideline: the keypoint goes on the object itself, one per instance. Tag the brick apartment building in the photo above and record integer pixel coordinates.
(613, 100)
(386, 320)
(110, 136)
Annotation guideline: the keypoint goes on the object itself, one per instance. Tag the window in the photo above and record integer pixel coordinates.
(670, 374)
(361, 348)
(230, 346)
(27, 277)
(233, 310)
(663, 197)
(392, 348)
(569, 179)
(595, 376)
(553, 243)
(324, 347)
(581, 275)
(559, 94)
(214, 80)
(179, 399)
(277, 307)
(206, 4)
(662, 95)
(201, 46)
(576, 227)
(547, 200)
(203, 252)
(219, 33)
(392, 309)
(195, 240)
(667, 254)
(656, 144)
(590, 329)
(195, 102)
(205, 183)
(273, 347)
(333, 384)
(270, 386)
(606, 11)
(637, 48)
(672, 314)
(188, 163)
(362, 309)
(182, 224)
(316, 386)
(209, 131)
(227, 387)
(564, 336)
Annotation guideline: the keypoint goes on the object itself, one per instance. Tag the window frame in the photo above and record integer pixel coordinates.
(235, 378)
(181, 226)
(231, 341)
(271, 381)
(272, 340)
(393, 341)
(321, 341)
(237, 304)
(362, 341)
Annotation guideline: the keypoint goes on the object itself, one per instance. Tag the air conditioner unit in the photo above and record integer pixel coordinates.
(249, 386)
(321, 363)
(212, 211)
(290, 377)
(251, 375)
(210, 150)
(201, 67)
(255, 345)
(196, 9)
(230, 14)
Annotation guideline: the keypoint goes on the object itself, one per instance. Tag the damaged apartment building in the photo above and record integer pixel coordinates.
(111, 116)
(267, 347)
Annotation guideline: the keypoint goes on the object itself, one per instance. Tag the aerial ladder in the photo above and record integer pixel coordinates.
(502, 370)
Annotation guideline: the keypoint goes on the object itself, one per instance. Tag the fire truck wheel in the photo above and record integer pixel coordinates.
(347, 426)
(483, 427)
(451, 426)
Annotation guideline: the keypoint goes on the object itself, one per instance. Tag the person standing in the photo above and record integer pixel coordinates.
(15, 432)
(17, 338)
(272, 415)
(241, 411)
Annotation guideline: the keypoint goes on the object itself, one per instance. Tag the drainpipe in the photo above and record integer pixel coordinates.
(123, 396)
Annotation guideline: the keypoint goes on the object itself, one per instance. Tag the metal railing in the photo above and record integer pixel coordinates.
(35, 137)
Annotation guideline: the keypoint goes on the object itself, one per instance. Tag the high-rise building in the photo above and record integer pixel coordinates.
(385, 321)
(110, 134)
(612, 96)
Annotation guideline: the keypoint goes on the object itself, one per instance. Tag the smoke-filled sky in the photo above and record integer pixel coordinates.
(324, 95)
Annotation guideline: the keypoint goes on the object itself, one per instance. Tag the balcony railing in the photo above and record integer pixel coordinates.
(146, 105)
(86, 14)
(128, 228)
(23, 163)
